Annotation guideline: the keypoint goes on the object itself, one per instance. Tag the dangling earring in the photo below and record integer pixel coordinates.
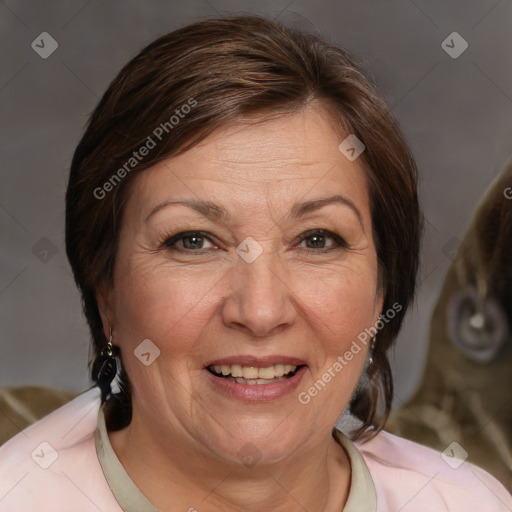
(372, 348)
(104, 369)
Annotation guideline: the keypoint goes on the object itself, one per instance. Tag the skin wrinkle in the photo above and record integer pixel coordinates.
(185, 435)
(267, 197)
(356, 240)
(213, 211)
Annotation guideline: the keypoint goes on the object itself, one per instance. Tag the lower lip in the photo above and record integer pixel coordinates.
(257, 392)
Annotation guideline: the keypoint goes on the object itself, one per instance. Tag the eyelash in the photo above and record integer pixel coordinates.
(169, 242)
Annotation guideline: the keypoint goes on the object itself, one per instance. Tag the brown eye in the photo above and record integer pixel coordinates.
(188, 241)
(193, 242)
(323, 240)
(316, 241)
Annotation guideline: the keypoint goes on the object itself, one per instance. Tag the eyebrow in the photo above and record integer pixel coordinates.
(215, 212)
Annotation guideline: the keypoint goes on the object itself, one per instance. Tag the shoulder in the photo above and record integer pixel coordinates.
(53, 462)
(410, 476)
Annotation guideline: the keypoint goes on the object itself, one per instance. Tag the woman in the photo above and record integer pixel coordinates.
(242, 222)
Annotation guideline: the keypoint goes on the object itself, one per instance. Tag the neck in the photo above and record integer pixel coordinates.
(175, 475)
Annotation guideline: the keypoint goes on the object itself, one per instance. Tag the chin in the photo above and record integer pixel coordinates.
(270, 445)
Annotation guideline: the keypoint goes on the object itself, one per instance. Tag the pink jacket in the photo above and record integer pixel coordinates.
(53, 466)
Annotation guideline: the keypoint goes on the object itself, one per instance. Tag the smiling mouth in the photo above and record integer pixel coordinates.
(252, 375)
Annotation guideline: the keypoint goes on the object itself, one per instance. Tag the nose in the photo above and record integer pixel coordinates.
(261, 301)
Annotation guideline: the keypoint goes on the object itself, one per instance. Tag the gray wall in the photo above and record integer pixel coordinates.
(456, 113)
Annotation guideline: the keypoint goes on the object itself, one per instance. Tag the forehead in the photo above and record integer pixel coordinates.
(285, 157)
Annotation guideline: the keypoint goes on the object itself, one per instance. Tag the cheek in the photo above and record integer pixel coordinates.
(171, 307)
(341, 307)
(344, 302)
(340, 344)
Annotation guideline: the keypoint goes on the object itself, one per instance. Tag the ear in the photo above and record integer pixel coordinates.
(378, 303)
(105, 300)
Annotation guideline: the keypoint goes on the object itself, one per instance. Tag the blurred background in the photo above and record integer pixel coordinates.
(452, 94)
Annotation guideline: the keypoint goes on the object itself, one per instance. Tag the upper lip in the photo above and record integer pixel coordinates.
(258, 362)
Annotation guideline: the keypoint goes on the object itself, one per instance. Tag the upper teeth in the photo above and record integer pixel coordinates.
(252, 372)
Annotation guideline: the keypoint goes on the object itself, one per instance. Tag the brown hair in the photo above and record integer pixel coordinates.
(225, 70)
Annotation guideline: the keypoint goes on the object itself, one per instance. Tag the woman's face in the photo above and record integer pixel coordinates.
(249, 255)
